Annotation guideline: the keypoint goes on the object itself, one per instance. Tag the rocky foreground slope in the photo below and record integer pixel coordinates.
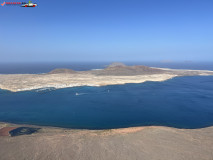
(146, 143)
(111, 75)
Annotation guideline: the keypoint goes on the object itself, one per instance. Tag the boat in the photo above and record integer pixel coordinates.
(30, 4)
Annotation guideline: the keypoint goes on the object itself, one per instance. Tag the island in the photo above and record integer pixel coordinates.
(114, 74)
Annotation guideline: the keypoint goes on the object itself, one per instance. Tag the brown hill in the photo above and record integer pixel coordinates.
(62, 70)
(120, 69)
(116, 64)
(115, 69)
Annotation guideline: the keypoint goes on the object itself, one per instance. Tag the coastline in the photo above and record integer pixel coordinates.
(79, 80)
(116, 130)
(109, 76)
(102, 131)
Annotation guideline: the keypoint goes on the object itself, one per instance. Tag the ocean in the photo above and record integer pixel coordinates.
(36, 68)
(181, 102)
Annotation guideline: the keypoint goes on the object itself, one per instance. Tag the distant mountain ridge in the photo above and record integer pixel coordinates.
(62, 70)
(115, 69)
(121, 69)
(116, 64)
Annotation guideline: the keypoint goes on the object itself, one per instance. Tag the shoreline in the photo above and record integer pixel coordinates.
(76, 85)
(114, 75)
(55, 87)
(93, 132)
(80, 80)
(8, 124)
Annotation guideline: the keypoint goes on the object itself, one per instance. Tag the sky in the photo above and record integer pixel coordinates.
(107, 30)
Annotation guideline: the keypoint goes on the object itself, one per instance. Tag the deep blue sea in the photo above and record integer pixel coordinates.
(34, 68)
(181, 102)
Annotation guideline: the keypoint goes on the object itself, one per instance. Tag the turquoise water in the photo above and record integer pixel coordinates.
(182, 102)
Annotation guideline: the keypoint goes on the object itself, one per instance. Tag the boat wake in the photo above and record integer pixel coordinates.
(44, 90)
(79, 94)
